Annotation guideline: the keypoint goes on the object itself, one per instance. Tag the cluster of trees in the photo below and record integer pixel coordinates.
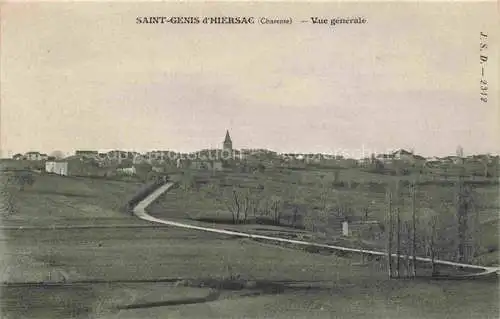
(279, 206)
(246, 167)
(156, 177)
(286, 207)
(401, 234)
(21, 179)
(440, 228)
(244, 203)
(467, 228)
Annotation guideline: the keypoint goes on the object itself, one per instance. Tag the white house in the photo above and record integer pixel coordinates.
(35, 156)
(60, 168)
(127, 170)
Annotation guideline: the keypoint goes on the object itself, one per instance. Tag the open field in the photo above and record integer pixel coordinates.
(158, 273)
(163, 272)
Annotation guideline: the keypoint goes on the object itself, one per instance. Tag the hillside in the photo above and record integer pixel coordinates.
(316, 201)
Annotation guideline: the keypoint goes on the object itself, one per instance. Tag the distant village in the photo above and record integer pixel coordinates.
(130, 163)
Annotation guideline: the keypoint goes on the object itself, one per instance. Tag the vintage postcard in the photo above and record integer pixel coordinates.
(249, 160)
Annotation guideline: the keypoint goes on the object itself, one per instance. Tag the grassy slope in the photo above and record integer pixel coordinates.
(56, 200)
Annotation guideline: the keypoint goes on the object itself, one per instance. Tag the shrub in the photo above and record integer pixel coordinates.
(25, 178)
(312, 249)
(491, 248)
(142, 194)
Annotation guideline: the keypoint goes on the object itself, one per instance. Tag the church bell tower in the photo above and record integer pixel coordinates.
(227, 145)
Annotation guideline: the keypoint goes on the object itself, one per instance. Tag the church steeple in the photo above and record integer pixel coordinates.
(227, 144)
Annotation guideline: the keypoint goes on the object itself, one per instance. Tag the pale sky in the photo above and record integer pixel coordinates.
(86, 76)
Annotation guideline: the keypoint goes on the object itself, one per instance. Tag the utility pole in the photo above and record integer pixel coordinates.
(398, 228)
(398, 241)
(414, 226)
(389, 229)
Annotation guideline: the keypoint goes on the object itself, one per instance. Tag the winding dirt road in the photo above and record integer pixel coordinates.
(140, 211)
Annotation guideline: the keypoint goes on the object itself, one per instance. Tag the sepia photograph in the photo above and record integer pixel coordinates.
(274, 160)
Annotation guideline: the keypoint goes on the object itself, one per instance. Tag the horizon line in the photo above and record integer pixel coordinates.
(345, 153)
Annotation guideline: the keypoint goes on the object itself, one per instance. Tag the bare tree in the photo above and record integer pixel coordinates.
(432, 243)
(389, 230)
(325, 196)
(468, 229)
(476, 229)
(397, 204)
(268, 208)
(463, 205)
(398, 241)
(254, 206)
(486, 163)
(247, 203)
(336, 177)
(407, 228)
(239, 203)
(25, 178)
(359, 243)
(325, 206)
(295, 214)
(413, 192)
(233, 204)
(276, 208)
(309, 221)
(235, 207)
(430, 233)
(292, 193)
(366, 212)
